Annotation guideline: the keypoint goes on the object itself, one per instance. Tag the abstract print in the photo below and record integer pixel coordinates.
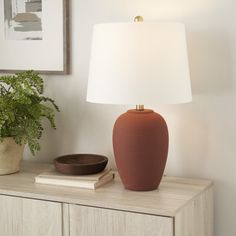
(23, 19)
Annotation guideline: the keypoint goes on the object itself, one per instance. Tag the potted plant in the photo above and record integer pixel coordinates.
(22, 109)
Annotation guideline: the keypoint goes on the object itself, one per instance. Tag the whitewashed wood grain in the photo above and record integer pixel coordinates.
(172, 195)
(66, 219)
(89, 221)
(196, 218)
(26, 217)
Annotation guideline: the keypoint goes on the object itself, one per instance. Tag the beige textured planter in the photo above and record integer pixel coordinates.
(10, 156)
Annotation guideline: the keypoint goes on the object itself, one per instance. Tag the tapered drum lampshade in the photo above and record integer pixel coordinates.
(139, 63)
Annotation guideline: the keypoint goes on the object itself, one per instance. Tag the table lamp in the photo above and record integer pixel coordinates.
(139, 63)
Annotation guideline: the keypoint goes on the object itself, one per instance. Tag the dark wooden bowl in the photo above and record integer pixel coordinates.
(80, 164)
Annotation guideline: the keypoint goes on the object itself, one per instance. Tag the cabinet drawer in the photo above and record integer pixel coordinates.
(90, 221)
(28, 217)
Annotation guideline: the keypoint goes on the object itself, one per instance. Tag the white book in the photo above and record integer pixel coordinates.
(53, 174)
(85, 181)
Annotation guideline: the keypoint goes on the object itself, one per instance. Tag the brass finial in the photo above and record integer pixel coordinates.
(138, 19)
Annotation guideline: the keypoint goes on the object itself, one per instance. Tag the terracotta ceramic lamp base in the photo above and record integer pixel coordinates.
(140, 141)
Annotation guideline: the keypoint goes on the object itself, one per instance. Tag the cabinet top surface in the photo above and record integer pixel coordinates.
(172, 194)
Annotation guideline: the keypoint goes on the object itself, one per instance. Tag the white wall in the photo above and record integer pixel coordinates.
(202, 133)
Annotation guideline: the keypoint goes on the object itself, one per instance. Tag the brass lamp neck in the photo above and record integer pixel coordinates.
(139, 107)
(139, 19)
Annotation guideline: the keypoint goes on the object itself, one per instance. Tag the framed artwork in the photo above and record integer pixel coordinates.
(34, 35)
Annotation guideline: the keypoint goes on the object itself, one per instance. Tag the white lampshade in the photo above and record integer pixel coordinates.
(139, 63)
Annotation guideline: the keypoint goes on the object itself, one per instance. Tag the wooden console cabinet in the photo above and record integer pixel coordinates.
(180, 207)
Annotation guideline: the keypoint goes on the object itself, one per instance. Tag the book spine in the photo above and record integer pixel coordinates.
(66, 183)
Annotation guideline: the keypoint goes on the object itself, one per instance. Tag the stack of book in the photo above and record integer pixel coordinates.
(80, 181)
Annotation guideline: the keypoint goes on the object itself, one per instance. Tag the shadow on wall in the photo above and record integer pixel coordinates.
(197, 125)
(64, 139)
(210, 62)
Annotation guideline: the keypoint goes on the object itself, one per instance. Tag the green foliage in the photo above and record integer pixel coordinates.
(23, 107)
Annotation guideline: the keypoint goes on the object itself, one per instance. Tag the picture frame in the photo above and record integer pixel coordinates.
(34, 35)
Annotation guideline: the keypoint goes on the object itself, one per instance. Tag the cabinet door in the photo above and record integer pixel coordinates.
(27, 217)
(89, 221)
